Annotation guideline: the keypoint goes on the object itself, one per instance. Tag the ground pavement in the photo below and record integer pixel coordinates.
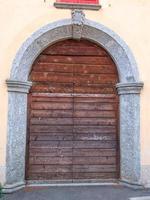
(115, 192)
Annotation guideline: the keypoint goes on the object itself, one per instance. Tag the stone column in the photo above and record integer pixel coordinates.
(16, 134)
(130, 131)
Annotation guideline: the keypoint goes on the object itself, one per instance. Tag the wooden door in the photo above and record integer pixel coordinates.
(73, 114)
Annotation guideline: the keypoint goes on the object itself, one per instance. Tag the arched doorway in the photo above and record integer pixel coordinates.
(128, 88)
(73, 114)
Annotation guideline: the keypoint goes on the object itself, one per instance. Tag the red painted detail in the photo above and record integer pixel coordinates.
(79, 1)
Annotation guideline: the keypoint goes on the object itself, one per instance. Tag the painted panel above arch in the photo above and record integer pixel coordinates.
(79, 1)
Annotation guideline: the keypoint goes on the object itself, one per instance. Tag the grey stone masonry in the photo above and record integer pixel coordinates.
(130, 131)
(16, 139)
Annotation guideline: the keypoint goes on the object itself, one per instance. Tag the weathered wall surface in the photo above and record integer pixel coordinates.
(129, 19)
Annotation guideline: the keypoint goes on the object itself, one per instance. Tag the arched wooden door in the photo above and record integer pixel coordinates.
(73, 114)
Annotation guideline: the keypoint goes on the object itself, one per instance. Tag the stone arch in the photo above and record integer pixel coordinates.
(128, 88)
(51, 33)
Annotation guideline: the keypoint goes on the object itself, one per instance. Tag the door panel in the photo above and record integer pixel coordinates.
(73, 114)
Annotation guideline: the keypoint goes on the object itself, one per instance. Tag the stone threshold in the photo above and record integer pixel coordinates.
(49, 183)
(79, 182)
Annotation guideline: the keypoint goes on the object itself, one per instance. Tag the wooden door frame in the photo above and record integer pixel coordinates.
(129, 88)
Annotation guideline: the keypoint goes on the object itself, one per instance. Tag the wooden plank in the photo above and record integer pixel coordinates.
(51, 106)
(91, 113)
(94, 129)
(95, 79)
(42, 151)
(51, 121)
(75, 121)
(54, 113)
(50, 160)
(51, 99)
(51, 144)
(70, 168)
(50, 168)
(94, 106)
(92, 88)
(57, 134)
(50, 176)
(94, 136)
(94, 168)
(75, 59)
(67, 152)
(53, 88)
(94, 69)
(56, 137)
(94, 121)
(74, 50)
(53, 77)
(101, 96)
(68, 129)
(71, 136)
(78, 175)
(74, 43)
(74, 68)
(71, 43)
(93, 144)
(68, 88)
(49, 129)
(53, 67)
(73, 97)
(69, 78)
(69, 160)
(94, 160)
(105, 98)
(75, 144)
(94, 152)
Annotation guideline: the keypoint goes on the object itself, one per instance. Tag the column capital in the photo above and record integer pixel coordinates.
(18, 86)
(129, 88)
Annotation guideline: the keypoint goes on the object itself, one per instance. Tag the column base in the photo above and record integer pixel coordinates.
(10, 188)
(130, 184)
